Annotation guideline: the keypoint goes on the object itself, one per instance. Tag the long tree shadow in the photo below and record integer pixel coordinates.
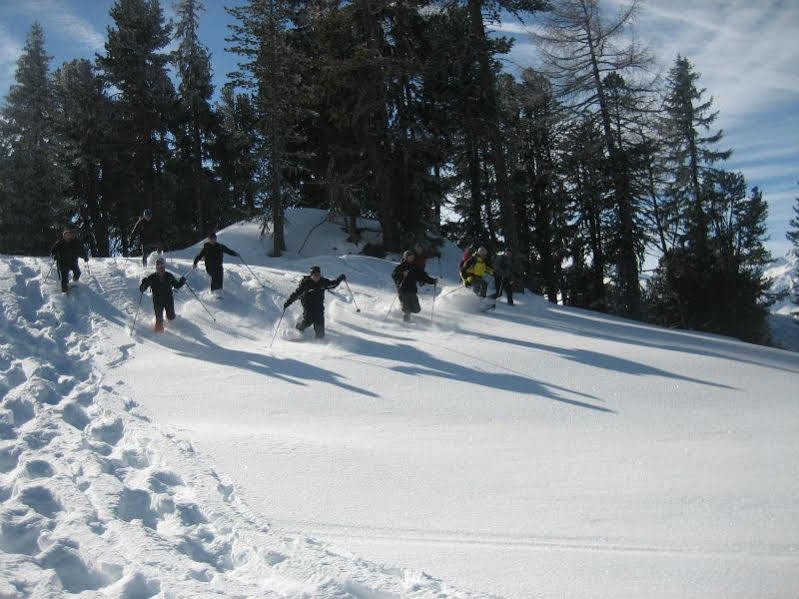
(414, 361)
(599, 360)
(615, 328)
(192, 343)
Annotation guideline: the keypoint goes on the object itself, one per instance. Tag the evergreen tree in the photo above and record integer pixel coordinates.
(82, 123)
(689, 155)
(234, 151)
(196, 120)
(793, 236)
(276, 72)
(580, 48)
(487, 101)
(31, 183)
(134, 63)
(724, 291)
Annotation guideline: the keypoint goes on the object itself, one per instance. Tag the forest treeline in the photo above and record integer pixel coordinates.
(401, 111)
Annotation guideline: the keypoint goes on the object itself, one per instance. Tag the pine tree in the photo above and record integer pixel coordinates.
(793, 236)
(234, 151)
(135, 64)
(689, 155)
(580, 48)
(31, 184)
(83, 124)
(488, 102)
(276, 73)
(197, 120)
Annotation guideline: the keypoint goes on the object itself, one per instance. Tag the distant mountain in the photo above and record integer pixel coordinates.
(784, 277)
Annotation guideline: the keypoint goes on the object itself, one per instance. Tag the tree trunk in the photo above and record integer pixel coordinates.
(628, 261)
(488, 91)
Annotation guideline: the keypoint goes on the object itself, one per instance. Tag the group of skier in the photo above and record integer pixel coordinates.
(408, 274)
(475, 267)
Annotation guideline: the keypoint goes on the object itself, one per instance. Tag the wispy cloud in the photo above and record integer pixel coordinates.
(745, 51)
(61, 20)
(10, 49)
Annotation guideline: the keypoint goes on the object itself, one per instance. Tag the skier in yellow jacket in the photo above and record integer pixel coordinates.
(473, 271)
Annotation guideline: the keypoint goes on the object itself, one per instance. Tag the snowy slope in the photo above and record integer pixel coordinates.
(533, 451)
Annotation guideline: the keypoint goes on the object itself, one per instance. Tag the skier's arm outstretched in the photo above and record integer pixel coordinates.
(145, 283)
(328, 284)
(428, 279)
(228, 251)
(297, 293)
(177, 284)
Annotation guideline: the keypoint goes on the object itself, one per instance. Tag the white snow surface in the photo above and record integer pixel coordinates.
(530, 451)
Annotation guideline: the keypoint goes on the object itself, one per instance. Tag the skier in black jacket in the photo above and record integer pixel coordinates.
(161, 282)
(212, 254)
(406, 275)
(66, 252)
(150, 237)
(311, 292)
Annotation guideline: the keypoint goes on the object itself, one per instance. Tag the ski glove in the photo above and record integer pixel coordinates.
(286, 304)
(182, 280)
(341, 278)
(142, 287)
(86, 260)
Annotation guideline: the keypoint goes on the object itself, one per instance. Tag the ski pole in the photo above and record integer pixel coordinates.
(201, 302)
(389, 308)
(52, 266)
(277, 328)
(133, 326)
(251, 272)
(191, 270)
(357, 309)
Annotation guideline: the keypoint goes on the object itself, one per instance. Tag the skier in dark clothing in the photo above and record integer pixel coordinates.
(311, 292)
(162, 282)
(212, 254)
(506, 272)
(406, 275)
(66, 252)
(150, 237)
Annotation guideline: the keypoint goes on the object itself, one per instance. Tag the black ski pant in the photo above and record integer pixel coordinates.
(64, 269)
(409, 303)
(146, 250)
(317, 319)
(164, 304)
(503, 284)
(216, 275)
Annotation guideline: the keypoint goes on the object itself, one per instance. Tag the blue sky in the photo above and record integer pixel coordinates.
(745, 51)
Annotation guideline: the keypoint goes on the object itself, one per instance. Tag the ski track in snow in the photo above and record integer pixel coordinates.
(97, 500)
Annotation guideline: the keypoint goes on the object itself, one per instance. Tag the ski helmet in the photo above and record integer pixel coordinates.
(147, 213)
(315, 269)
(482, 251)
(407, 253)
(160, 262)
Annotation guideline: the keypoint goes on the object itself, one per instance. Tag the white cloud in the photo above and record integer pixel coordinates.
(10, 49)
(60, 20)
(745, 51)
